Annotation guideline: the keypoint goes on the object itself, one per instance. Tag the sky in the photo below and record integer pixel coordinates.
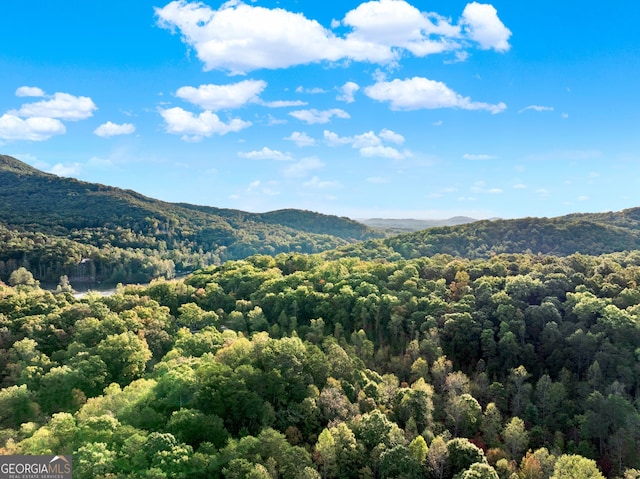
(374, 109)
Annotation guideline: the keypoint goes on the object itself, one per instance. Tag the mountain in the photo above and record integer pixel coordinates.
(51, 224)
(408, 225)
(587, 233)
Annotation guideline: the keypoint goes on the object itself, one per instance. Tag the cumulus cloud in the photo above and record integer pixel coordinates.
(421, 93)
(301, 139)
(220, 97)
(536, 108)
(380, 151)
(112, 129)
(392, 136)
(63, 106)
(387, 24)
(485, 28)
(61, 169)
(265, 154)
(302, 168)
(195, 127)
(32, 129)
(314, 116)
(347, 91)
(370, 144)
(29, 91)
(240, 38)
(333, 139)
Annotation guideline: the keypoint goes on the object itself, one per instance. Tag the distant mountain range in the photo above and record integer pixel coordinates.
(408, 225)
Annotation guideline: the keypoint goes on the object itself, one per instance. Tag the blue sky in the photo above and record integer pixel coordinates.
(387, 108)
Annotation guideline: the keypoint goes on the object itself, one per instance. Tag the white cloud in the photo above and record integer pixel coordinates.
(63, 106)
(312, 91)
(468, 156)
(583, 198)
(61, 169)
(347, 91)
(392, 136)
(195, 127)
(565, 116)
(421, 93)
(480, 187)
(381, 151)
(484, 27)
(520, 186)
(301, 139)
(265, 154)
(319, 184)
(112, 129)
(220, 97)
(333, 139)
(366, 140)
(29, 91)
(395, 23)
(302, 168)
(369, 144)
(282, 103)
(314, 116)
(31, 129)
(458, 57)
(536, 108)
(240, 38)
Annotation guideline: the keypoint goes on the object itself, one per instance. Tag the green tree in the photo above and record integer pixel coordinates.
(515, 437)
(480, 470)
(575, 467)
(125, 355)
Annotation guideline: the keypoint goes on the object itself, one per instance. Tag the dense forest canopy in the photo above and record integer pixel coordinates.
(295, 366)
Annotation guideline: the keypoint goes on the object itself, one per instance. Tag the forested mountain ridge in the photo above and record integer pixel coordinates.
(49, 224)
(589, 233)
(406, 225)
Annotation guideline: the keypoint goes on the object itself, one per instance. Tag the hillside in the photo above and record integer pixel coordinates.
(406, 225)
(592, 233)
(74, 219)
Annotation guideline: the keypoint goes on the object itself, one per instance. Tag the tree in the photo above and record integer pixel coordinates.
(398, 462)
(516, 437)
(462, 454)
(22, 277)
(438, 457)
(17, 406)
(464, 414)
(125, 355)
(492, 425)
(418, 449)
(480, 470)
(575, 467)
(326, 454)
